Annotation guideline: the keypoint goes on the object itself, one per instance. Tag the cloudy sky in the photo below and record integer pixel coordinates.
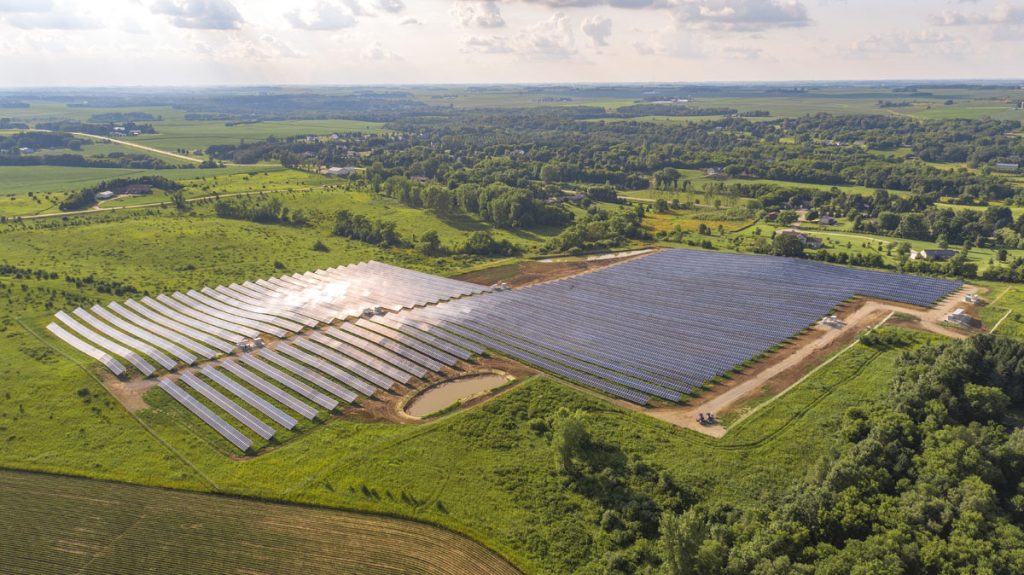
(194, 42)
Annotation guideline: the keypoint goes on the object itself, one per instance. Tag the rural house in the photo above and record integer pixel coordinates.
(932, 255)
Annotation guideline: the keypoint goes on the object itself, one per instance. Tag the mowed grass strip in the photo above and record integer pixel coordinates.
(59, 524)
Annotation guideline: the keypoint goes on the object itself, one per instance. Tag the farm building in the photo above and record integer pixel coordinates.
(974, 298)
(105, 195)
(961, 318)
(808, 241)
(340, 172)
(827, 221)
(932, 255)
(1007, 167)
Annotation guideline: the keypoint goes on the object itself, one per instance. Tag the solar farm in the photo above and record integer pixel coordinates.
(247, 359)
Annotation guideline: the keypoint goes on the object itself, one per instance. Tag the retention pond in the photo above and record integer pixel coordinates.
(450, 392)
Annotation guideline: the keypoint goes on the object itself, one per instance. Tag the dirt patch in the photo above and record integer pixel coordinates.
(129, 393)
(529, 272)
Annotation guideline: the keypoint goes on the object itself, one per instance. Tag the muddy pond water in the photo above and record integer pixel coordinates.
(449, 392)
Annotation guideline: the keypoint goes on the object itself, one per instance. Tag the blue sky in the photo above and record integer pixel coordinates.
(198, 42)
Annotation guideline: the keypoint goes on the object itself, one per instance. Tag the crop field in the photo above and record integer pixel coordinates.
(189, 135)
(66, 525)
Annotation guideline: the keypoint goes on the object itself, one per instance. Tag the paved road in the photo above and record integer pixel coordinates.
(139, 146)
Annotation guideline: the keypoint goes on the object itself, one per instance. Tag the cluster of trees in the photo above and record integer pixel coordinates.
(632, 496)
(927, 481)
(86, 197)
(385, 233)
(496, 203)
(599, 229)
(96, 129)
(262, 211)
(359, 227)
(123, 117)
(112, 160)
(40, 141)
(9, 124)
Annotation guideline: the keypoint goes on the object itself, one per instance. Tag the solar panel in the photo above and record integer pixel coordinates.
(322, 362)
(202, 412)
(152, 352)
(166, 321)
(403, 368)
(309, 375)
(274, 392)
(156, 328)
(232, 408)
(291, 383)
(283, 419)
(405, 351)
(171, 311)
(104, 343)
(139, 332)
(111, 363)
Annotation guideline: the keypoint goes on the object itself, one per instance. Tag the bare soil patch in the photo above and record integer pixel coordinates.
(524, 273)
(129, 393)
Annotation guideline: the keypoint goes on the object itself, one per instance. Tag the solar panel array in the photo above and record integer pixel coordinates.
(174, 330)
(313, 369)
(654, 327)
(266, 390)
(661, 325)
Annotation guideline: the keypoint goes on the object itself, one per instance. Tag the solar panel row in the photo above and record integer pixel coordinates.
(212, 419)
(111, 363)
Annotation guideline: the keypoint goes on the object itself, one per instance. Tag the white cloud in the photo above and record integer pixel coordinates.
(52, 21)
(391, 6)
(907, 43)
(550, 39)
(376, 52)
(1001, 15)
(598, 28)
(200, 14)
(488, 45)
(26, 5)
(745, 15)
(479, 15)
(324, 17)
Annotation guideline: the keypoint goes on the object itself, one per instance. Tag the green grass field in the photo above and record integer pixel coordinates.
(31, 190)
(189, 135)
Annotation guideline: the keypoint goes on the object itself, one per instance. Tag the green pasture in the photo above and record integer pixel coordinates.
(31, 190)
(190, 135)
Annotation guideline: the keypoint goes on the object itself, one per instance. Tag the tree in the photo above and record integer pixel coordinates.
(788, 245)
(787, 217)
(661, 206)
(571, 442)
(430, 244)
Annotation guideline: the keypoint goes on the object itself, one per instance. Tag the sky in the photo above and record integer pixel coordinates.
(234, 42)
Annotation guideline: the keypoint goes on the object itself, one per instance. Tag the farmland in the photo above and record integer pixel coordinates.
(90, 526)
